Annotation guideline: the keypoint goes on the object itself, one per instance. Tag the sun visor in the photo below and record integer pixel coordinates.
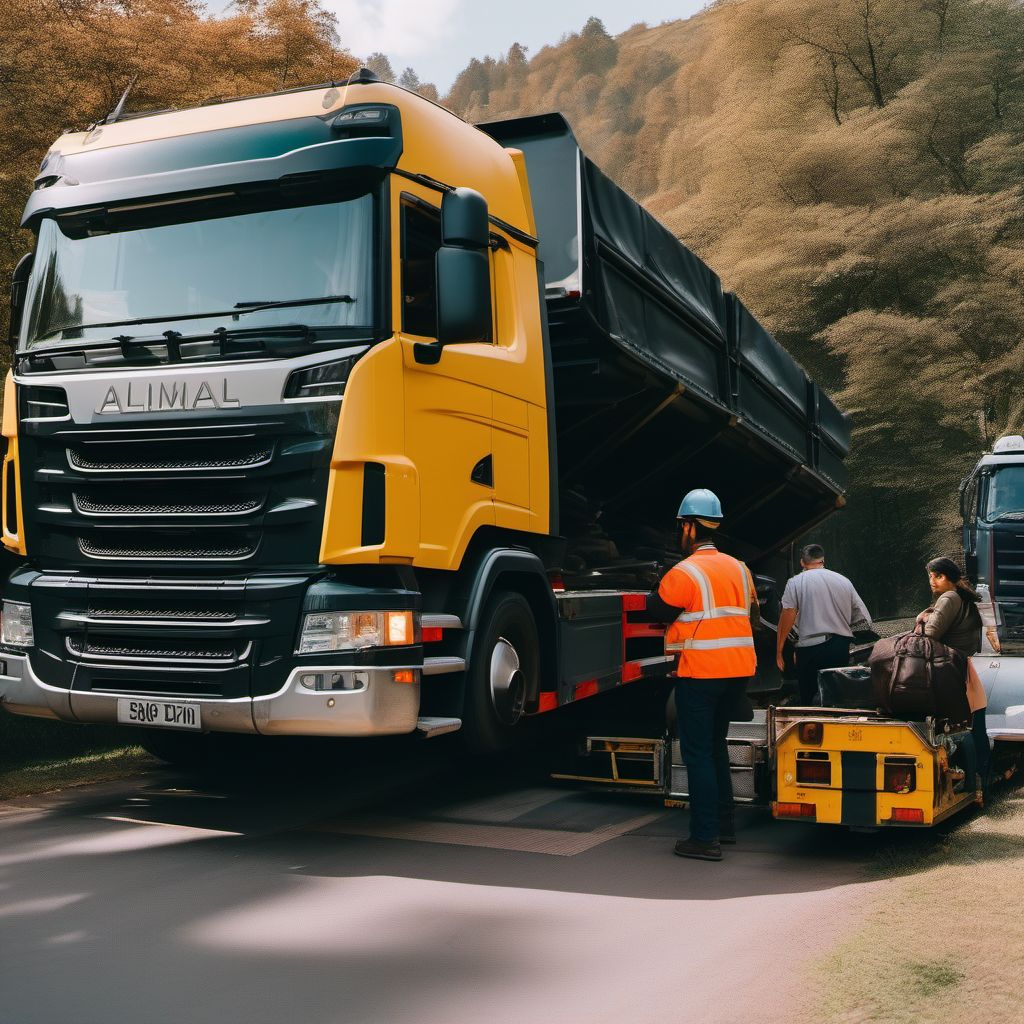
(210, 160)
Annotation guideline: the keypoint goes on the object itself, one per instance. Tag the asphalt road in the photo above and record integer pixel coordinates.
(399, 889)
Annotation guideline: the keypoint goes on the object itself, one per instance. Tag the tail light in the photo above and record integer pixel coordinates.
(811, 733)
(787, 810)
(908, 815)
(813, 768)
(899, 775)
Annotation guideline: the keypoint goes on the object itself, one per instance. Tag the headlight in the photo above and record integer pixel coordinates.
(352, 631)
(16, 629)
(326, 380)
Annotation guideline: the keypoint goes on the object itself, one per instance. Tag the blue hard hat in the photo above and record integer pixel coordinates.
(701, 504)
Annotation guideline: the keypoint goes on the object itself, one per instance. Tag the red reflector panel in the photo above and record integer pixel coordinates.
(813, 772)
(811, 733)
(912, 815)
(587, 689)
(432, 634)
(548, 701)
(630, 671)
(795, 810)
(634, 602)
(899, 776)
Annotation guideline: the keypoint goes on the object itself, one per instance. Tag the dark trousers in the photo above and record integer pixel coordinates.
(704, 708)
(982, 752)
(833, 653)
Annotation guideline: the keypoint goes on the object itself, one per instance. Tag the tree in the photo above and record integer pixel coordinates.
(409, 80)
(379, 64)
(516, 58)
(597, 51)
(853, 170)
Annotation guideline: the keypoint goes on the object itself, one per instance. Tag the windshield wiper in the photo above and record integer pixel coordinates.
(1008, 515)
(241, 342)
(258, 304)
(240, 310)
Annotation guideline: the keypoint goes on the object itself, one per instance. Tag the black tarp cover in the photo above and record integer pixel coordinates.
(660, 302)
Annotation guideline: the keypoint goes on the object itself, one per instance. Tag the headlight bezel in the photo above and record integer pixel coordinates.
(338, 632)
(17, 614)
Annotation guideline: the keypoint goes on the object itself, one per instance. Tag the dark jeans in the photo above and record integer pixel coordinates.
(704, 708)
(976, 756)
(982, 752)
(833, 653)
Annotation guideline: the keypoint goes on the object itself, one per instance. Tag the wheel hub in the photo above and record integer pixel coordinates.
(508, 684)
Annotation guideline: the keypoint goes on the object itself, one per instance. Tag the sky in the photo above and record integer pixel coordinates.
(438, 37)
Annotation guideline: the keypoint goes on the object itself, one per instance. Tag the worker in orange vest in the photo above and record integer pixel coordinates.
(711, 602)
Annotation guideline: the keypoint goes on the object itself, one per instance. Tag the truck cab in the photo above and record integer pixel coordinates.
(992, 508)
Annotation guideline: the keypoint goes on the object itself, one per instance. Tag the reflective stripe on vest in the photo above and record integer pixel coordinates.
(723, 612)
(711, 645)
(707, 599)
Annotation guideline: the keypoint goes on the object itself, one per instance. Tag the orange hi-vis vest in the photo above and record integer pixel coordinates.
(712, 635)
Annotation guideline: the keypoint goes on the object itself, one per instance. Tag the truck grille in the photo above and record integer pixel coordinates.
(227, 488)
(174, 551)
(90, 507)
(149, 614)
(167, 650)
(259, 457)
(1009, 565)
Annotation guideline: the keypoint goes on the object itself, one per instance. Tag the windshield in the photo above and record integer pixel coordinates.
(1004, 498)
(96, 276)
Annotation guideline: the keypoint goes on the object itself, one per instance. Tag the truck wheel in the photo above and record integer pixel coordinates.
(503, 672)
(188, 751)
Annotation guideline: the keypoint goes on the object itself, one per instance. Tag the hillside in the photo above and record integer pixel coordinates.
(853, 171)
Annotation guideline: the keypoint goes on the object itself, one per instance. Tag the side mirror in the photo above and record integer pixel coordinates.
(463, 296)
(19, 288)
(464, 220)
(463, 274)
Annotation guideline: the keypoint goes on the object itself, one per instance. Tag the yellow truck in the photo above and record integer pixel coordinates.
(332, 414)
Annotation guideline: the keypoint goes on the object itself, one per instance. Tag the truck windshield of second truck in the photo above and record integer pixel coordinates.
(1004, 496)
(312, 264)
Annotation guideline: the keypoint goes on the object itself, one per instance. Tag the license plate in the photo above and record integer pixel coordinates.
(167, 714)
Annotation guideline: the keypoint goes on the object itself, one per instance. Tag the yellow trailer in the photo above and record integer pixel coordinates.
(864, 770)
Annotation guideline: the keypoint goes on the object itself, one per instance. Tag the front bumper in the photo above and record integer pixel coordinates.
(380, 707)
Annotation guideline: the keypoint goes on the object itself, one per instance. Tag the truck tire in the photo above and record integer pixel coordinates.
(503, 672)
(188, 751)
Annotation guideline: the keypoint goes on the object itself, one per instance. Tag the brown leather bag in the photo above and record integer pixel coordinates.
(915, 677)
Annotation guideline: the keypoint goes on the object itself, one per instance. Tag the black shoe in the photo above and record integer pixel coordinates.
(698, 850)
(727, 831)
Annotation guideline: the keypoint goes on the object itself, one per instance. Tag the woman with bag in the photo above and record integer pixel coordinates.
(954, 619)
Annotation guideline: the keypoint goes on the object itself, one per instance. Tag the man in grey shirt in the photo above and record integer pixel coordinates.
(824, 606)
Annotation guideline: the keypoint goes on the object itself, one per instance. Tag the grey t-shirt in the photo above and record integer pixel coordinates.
(826, 603)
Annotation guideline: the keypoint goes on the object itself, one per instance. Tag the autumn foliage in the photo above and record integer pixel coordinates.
(854, 171)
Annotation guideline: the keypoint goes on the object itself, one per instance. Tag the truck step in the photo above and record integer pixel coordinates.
(439, 666)
(431, 727)
(621, 762)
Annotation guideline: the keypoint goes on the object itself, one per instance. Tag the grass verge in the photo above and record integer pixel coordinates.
(100, 766)
(944, 937)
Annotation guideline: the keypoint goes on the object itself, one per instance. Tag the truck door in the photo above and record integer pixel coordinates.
(467, 431)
